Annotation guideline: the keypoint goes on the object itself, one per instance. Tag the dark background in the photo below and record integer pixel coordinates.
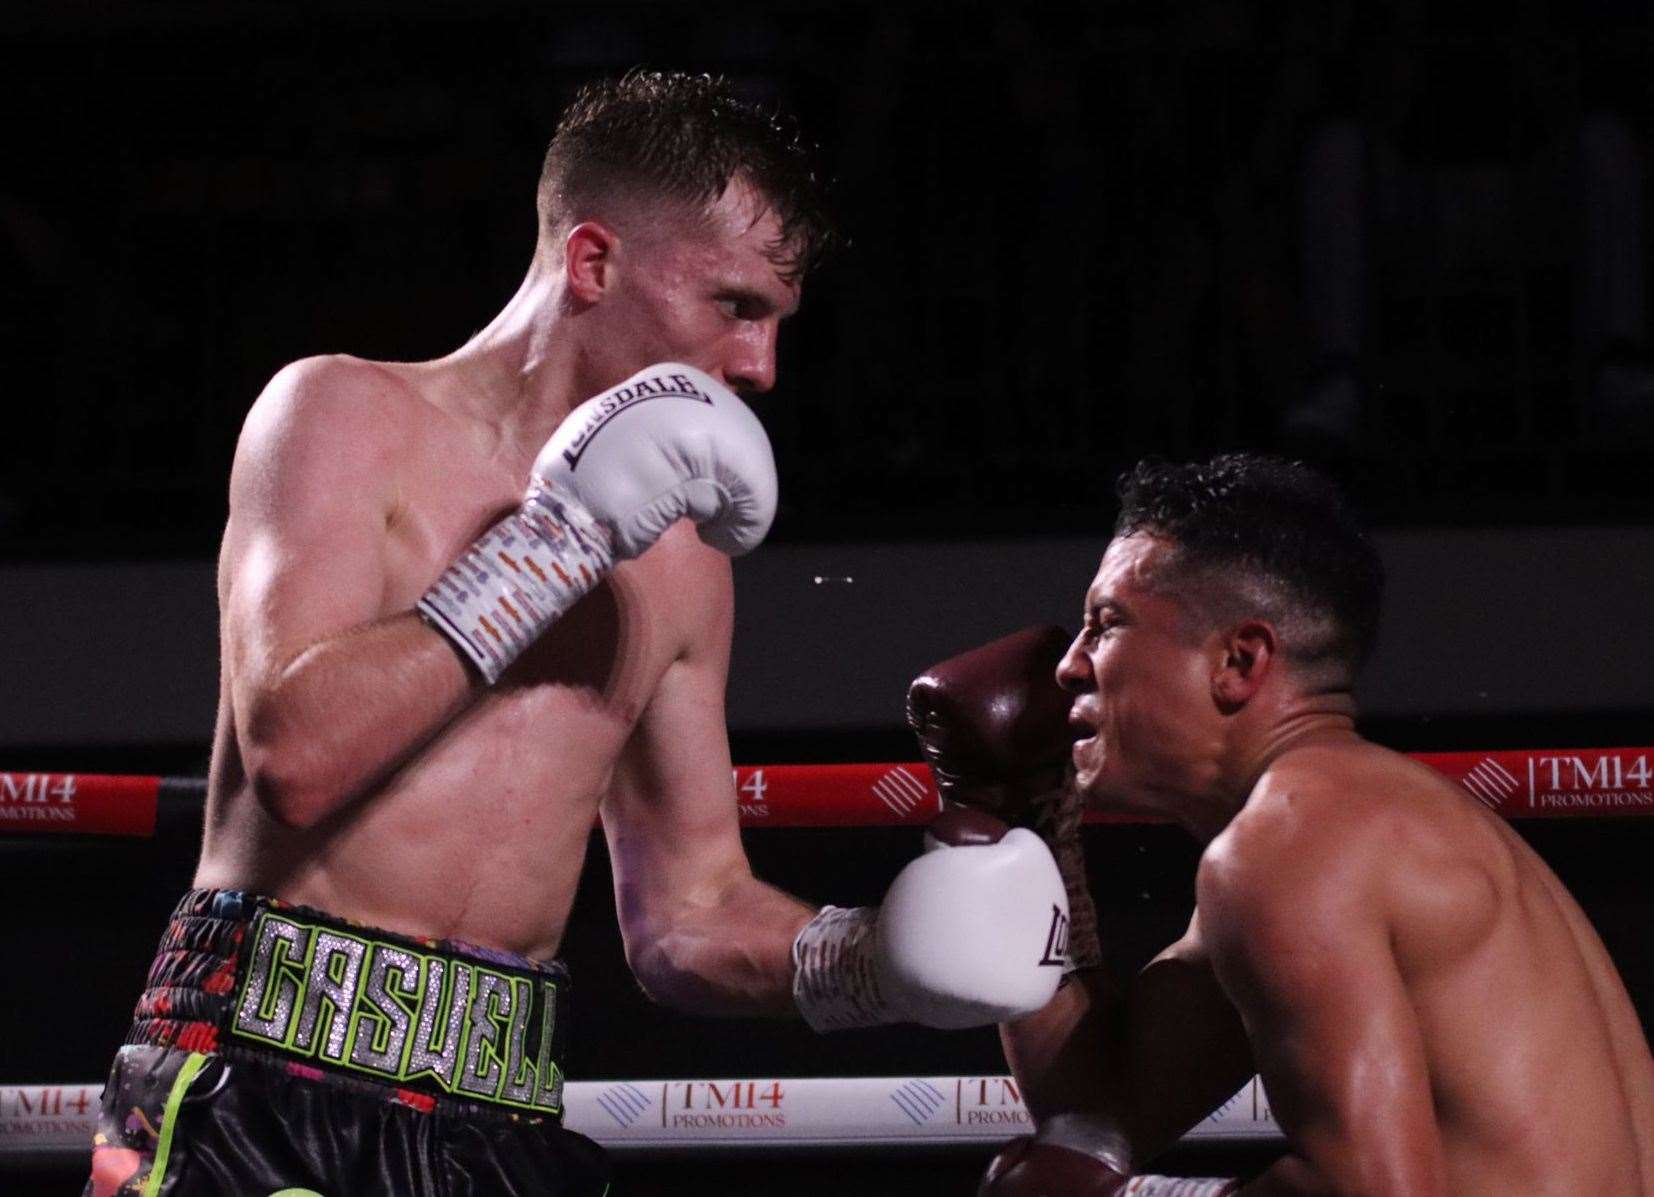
(1405, 241)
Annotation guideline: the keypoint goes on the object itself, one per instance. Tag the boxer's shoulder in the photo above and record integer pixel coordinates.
(325, 433)
(1315, 814)
(1330, 824)
(340, 380)
(332, 401)
(1329, 790)
(1357, 792)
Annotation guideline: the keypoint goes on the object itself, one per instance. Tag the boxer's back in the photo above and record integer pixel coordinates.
(1540, 1074)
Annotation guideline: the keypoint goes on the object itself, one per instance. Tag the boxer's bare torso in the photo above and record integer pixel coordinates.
(1403, 960)
(480, 833)
(362, 767)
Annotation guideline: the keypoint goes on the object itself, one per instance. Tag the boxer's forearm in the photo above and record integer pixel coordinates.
(730, 957)
(1150, 1061)
(1057, 1054)
(346, 712)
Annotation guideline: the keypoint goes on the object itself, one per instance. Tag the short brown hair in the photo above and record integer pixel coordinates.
(684, 138)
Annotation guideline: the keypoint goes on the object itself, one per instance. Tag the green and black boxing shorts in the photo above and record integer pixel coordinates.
(281, 1052)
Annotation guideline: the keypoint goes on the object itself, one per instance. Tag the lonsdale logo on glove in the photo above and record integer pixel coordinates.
(1056, 939)
(973, 932)
(634, 390)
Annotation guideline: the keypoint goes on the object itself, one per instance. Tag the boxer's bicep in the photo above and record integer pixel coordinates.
(303, 555)
(1310, 968)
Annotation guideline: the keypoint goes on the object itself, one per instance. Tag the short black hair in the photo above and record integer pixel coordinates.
(679, 137)
(1261, 535)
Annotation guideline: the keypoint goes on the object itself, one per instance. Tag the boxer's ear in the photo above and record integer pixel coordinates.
(589, 260)
(1248, 650)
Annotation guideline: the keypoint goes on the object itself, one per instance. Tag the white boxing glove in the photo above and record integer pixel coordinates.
(971, 933)
(668, 443)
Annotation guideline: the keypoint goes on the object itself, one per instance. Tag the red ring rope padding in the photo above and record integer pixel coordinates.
(1518, 783)
(78, 803)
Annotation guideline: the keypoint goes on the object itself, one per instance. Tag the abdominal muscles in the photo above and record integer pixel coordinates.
(479, 837)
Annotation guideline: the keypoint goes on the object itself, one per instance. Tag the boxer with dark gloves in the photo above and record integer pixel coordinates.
(1356, 917)
(992, 725)
(1076, 1164)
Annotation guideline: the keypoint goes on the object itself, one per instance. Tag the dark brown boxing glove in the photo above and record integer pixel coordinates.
(1035, 1167)
(992, 724)
(1029, 1167)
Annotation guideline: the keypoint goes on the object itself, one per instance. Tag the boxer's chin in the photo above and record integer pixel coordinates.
(1099, 788)
(1086, 771)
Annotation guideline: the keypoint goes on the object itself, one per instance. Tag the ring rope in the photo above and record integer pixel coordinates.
(643, 1116)
(54, 1121)
(1517, 783)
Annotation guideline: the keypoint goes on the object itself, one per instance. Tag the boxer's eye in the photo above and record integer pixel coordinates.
(1101, 621)
(739, 306)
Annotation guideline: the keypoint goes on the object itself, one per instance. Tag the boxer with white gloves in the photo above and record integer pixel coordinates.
(968, 934)
(669, 443)
(426, 707)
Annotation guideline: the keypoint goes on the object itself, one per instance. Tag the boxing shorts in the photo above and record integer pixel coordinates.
(281, 1052)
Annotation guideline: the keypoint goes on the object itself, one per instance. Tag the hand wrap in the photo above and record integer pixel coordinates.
(517, 579)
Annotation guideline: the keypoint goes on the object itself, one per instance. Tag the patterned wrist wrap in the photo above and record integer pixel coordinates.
(1179, 1186)
(428, 1021)
(835, 979)
(518, 579)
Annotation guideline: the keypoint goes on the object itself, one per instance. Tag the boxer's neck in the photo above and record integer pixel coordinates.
(521, 371)
(1251, 746)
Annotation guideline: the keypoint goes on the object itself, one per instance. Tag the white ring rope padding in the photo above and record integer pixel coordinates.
(641, 1116)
